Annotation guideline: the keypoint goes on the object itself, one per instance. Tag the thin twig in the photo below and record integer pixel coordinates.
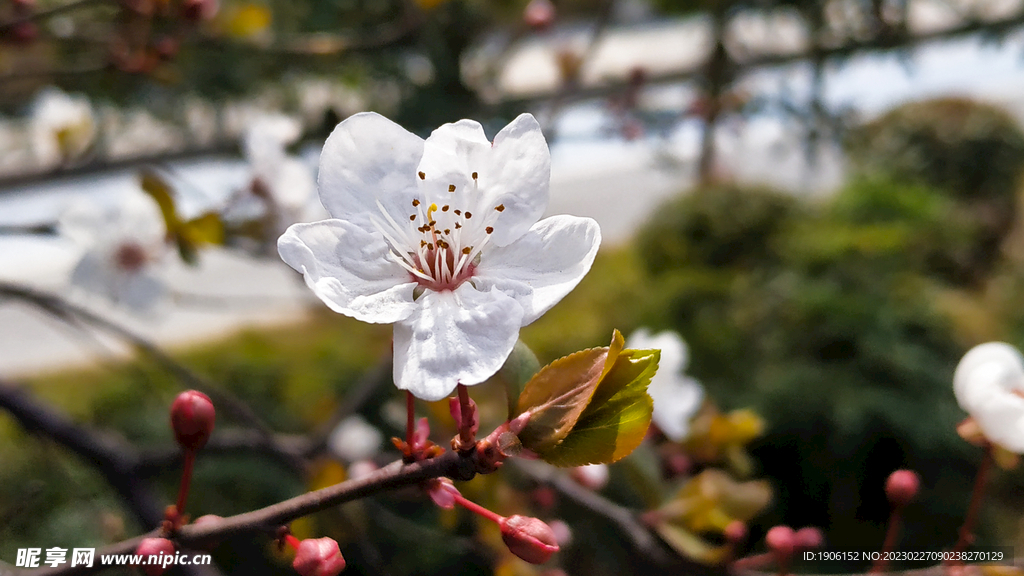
(267, 520)
(43, 14)
(233, 405)
(640, 538)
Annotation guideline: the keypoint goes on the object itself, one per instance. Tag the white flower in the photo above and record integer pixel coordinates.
(989, 385)
(676, 396)
(121, 245)
(355, 439)
(62, 127)
(281, 187)
(440, 237)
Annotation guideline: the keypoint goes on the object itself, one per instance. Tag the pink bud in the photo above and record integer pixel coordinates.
(539, 14)
(529, 538)
(153, 551)
(901, 487)
(421, 433)
(197, 10)
(809, 537)
(781, 540)
(455, 408)
(735, 531)
(318, 557)
(443, 493)
(192, 416)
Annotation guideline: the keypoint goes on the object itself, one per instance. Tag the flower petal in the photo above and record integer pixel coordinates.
(350, 270)
(461, 336)
(1001, 417)
(517, 177)
(450, 156)
(676, 396)
(986, 384)
(543, 265)
(369, 158)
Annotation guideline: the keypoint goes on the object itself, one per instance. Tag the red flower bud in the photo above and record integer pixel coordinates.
(901, 487)
(735, 531)
(807, 538)
(192, 417)
(781, 540)
(529, 538)
(154, 551)
(539, 14)
(318, 557)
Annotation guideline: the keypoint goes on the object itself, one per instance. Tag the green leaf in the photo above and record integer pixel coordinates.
(160, 191)
(617, 417)
(206, 229)
(519, 368)
(689, 545)
(188, 236)
(557, 396)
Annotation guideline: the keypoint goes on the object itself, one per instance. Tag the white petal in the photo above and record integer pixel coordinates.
(369, 158)
(986, 384)
(266, 137)
(349, 269)
(450, 156)
(83, 221)
(139, 291)
(985, 370)
(1001, 418)
(293, 185)
(454, 337)
(517, 176)
(543, 265)
(676, 396)
(355, 439)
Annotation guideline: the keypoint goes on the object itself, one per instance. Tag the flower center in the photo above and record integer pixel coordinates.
(439, 246)
(130, 257)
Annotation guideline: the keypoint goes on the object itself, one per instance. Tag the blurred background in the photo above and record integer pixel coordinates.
(820, 197)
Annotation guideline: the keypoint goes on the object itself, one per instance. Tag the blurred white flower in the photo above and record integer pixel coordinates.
(281, 189)
(676, 396)
(593, 476)
(61, 127)
(355, 439)
(440, 237)
(122, 245)
(989, 385)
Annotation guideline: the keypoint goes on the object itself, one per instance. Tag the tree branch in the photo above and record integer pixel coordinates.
(113, 457)
(645, 544)
(267, 520)
(63, 309)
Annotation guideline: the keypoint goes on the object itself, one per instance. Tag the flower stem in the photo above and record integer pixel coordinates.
(973, 509)
(466, 426)
(410, 419)
(893, 530)
(476, 508)
(186, 480)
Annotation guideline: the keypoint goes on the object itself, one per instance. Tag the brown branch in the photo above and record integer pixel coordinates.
(363, 390)
(113, 457)
(267, 520)
(645, 544)
(63, 309)
(43, 14)
(885, 43)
